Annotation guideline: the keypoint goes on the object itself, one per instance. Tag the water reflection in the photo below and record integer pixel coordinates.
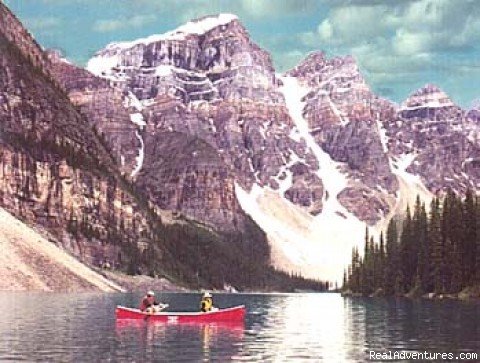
(383, 325)
(300, 327)
(205, 341)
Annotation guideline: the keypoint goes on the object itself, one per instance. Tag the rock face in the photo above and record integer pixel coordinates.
(439, 138)
(66, 168)
(346, 119)
(14, 32)
(205, 59)
(313, 154)
(208, 79)
(113, 113)
(61, 176)
(54, 171)
(185, 174)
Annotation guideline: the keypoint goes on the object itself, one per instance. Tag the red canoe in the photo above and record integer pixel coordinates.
(236, 313)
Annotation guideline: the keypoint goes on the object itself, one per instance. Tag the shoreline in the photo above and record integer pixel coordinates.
(470, 293)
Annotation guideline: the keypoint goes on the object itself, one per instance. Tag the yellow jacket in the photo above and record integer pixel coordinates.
(206, 304)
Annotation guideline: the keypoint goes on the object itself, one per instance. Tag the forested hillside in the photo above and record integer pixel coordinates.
(427, 252)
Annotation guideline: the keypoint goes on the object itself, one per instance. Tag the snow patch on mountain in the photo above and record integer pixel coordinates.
(410, 185)
(164, 70)
(343, 120)
(316, 247)
(137, 119)
(434, 103)
(313, 246)
(132, 101)
(194, 27)
(329, 172)
(101, 65)
(383, 136)
(141, 155)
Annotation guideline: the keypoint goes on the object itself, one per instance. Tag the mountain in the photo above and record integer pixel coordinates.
(55, 172)
(207, 79)
(437, 136)
(71, 148)
(345, 119)
(312, 155)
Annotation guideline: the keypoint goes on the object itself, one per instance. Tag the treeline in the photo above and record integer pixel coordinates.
(435, 252)
(200, 258)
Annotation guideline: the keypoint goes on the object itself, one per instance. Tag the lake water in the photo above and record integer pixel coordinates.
(277, 328)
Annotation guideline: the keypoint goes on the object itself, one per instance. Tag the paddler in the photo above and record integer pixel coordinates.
(150, 304)
(206, 304)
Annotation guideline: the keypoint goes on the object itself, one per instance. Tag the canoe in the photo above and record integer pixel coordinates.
(236, 313)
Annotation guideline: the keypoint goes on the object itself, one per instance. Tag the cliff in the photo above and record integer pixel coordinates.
(62, 173)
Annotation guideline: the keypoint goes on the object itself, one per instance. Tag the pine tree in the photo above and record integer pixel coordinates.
(380, 274)
(439, 252)
(470, 238)
(456, 283)
(423, 279)
(437, 247)
(372, 266)
(477, 244)
(447, 242)
(391, 265)
(353, 280)
(416, 235)
(407, 269)
(365, 268)
(454, 245)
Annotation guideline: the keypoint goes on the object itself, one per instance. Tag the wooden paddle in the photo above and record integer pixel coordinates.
(160, 307)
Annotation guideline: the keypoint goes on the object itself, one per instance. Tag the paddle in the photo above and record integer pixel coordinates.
(160, 308)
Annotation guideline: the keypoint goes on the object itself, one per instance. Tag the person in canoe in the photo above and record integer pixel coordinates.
(150, 305)
(206, 304)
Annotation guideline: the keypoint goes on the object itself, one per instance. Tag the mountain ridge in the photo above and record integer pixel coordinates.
(355, 129)
(60, 171)
(223, 89)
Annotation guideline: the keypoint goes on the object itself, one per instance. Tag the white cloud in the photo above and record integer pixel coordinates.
(269, 8)
(325, 30)
(420, 26)
(43, 23)
(110, 25)
(353, 24)
(390, 39)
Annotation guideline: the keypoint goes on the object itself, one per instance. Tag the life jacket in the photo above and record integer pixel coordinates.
(147, 302)
(206, 304)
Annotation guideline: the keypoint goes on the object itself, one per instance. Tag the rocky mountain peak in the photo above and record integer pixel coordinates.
(14, 32)
(311, 63)
(428, 88)
(474, 111)
(199, 120)
(429, 96)
(318, 70)
(203, 60)
(194, 28)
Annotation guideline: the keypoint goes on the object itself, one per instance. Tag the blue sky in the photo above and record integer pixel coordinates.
(400, 44)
